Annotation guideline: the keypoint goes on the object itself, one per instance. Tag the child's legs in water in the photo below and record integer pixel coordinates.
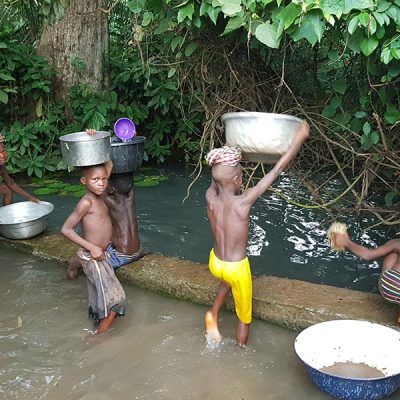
(8, 194)
(106, 322)
(211, 317)
(242, 333)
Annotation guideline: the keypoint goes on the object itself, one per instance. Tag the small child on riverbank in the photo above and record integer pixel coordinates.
(106, 295)
(228, 212)
(9, 186)
(389, 280)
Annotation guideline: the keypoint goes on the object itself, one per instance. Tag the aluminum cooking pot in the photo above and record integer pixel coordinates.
(80, 149)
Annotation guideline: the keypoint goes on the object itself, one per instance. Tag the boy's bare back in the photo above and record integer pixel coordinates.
(228, 210)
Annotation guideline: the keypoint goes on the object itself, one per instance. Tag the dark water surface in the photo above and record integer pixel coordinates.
(284, 241)
(157, 351)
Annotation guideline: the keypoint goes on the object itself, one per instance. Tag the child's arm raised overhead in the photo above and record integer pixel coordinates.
(74, 219)
(252, 194)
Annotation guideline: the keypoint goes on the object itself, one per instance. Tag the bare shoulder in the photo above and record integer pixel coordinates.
(85, 203)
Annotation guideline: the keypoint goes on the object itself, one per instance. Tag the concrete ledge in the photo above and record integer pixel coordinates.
(290, 303)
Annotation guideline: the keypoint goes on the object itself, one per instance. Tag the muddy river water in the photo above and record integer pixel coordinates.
(157, 351)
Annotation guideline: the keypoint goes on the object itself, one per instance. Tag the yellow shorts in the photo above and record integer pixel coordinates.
(237, 275)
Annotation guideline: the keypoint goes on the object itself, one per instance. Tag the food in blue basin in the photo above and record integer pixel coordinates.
(25, 219)
(351, 359)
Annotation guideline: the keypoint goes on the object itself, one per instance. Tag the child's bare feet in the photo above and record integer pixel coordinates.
(106, 323)
(212, 331)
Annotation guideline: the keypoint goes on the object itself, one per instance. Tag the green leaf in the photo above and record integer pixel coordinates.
(231, 7)
(233, 24)
(340, 86)
(336, 102)
(363, 18)
(395, 53)
(342, 118)
(39, 108)
(392, 115)
(334, 7)
(311, 28)
(147, 18)
(386, 56)
(46, 190)
(375, 137)
(389, 198)
(372, 25)
(366, 127)
(329, 111)
(185, 12)
(357, 5)
(368, 45)
(171, 72)
(360, 114)
(136, 6)
(163, 26)
(190, 48)
(267, 33)
(3, 97)
(353, 24)
(176, 41)
(289, 14)
(6, 77)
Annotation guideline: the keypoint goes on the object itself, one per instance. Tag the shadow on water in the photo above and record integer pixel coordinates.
(284, 240)
(157, 351)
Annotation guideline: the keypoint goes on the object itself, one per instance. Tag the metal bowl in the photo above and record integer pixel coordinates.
(261, 136)
(362, 358)
(25, 219)
(80, 149)
(127, 156)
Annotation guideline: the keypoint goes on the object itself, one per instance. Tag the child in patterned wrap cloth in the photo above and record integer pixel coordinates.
(389, 280)
(106, 295)
(228, 212)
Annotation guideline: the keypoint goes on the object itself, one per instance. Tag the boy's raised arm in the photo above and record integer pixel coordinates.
(253, 193)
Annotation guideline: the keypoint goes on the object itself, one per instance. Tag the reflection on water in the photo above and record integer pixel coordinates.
(157, 351)
(284, 240)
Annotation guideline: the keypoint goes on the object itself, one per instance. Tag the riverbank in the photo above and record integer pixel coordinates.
(289, 303)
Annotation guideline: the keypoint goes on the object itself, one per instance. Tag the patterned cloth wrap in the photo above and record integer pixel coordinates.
(117, 259)
(104, 289)
(389, 286)
(229, 156)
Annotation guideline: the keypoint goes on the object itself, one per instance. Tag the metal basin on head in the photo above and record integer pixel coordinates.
(80, 149)
(127, 156)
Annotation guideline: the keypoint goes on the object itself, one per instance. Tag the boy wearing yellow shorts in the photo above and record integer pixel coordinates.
(228, 211)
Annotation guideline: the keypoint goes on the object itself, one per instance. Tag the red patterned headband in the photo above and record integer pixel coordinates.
(225, 155)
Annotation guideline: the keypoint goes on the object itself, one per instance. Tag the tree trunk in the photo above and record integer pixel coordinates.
(77, 47)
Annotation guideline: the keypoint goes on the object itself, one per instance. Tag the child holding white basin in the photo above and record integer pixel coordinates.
(9, 186)
(228, 211)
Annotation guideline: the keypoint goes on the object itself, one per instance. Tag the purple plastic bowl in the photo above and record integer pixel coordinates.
(125, 129)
